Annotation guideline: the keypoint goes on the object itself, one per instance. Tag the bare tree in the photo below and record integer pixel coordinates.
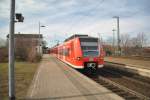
(137, 44)
(3, 54)
(141, 37)
(26, 49)
(2, 42)
(125, 43)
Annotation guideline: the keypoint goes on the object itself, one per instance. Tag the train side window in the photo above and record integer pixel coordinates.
(61, 52)
(66, 52)
(72, 46)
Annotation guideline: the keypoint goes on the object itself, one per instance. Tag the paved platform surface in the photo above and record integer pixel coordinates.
(131, 62)
(55, 80)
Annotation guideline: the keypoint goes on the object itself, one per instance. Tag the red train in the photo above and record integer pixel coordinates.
(80, 51)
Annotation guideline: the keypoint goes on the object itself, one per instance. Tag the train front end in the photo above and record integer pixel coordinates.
(92, 53)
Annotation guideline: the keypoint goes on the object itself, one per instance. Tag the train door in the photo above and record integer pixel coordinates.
(58, 53)
(72, 52)
(64, 52)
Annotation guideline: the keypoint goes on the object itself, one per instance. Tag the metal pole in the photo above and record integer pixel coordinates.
(11, 75)
(39, 37)
(113, 37)
(99, 42)
(118, 34)
(39, 27)
(114, 40)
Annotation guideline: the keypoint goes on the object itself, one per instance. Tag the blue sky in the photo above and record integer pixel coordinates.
(63, 18)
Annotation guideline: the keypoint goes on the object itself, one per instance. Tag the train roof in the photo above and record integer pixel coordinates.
(82, 37)
(78, 35)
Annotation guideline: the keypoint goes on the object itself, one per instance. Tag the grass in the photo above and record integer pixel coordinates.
(133, 57)
(141, 63)
(24, 72)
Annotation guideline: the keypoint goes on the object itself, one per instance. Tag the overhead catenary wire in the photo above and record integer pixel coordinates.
(81, 17)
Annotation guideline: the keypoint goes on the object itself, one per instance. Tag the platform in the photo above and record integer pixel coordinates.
(141, 67)
(55, 80)
(145, 64)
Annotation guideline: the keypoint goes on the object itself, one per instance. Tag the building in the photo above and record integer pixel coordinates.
(28, 43)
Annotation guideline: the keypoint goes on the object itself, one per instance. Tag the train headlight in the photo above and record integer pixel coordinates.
(79, 58)
(101, 58)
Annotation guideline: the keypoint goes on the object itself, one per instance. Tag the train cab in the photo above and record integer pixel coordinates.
(81, 51)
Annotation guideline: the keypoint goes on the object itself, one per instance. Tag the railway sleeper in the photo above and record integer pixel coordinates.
(106, 85)
(131, 98)
(123, 93)
(110, 87)
(116, 90)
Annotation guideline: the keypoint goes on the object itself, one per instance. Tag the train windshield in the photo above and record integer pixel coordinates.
(90, 53)
(89, 46)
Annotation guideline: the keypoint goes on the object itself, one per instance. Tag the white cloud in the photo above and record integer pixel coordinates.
(66, 17)
(4, 9)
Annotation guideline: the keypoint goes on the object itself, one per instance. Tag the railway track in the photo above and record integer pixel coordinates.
(113, 81)
(124, 92)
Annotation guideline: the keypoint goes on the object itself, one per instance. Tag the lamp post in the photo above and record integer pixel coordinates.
(99, 41)
(113, 40)
(11, 70)
(40, 27)
(11, 75)
(118, 36)
(40, 44)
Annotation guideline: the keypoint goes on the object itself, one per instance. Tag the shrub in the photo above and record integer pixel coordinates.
(33, 56)
(3, 54)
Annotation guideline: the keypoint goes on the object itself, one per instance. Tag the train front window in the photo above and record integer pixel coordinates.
(90, 53)
(89, 46)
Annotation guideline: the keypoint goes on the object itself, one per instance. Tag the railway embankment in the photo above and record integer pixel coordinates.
(136, 66)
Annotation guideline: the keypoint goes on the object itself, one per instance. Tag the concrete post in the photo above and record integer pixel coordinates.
(11, 75)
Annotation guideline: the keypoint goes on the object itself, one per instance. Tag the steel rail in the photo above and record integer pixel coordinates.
(125, 89)
(128, 78)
